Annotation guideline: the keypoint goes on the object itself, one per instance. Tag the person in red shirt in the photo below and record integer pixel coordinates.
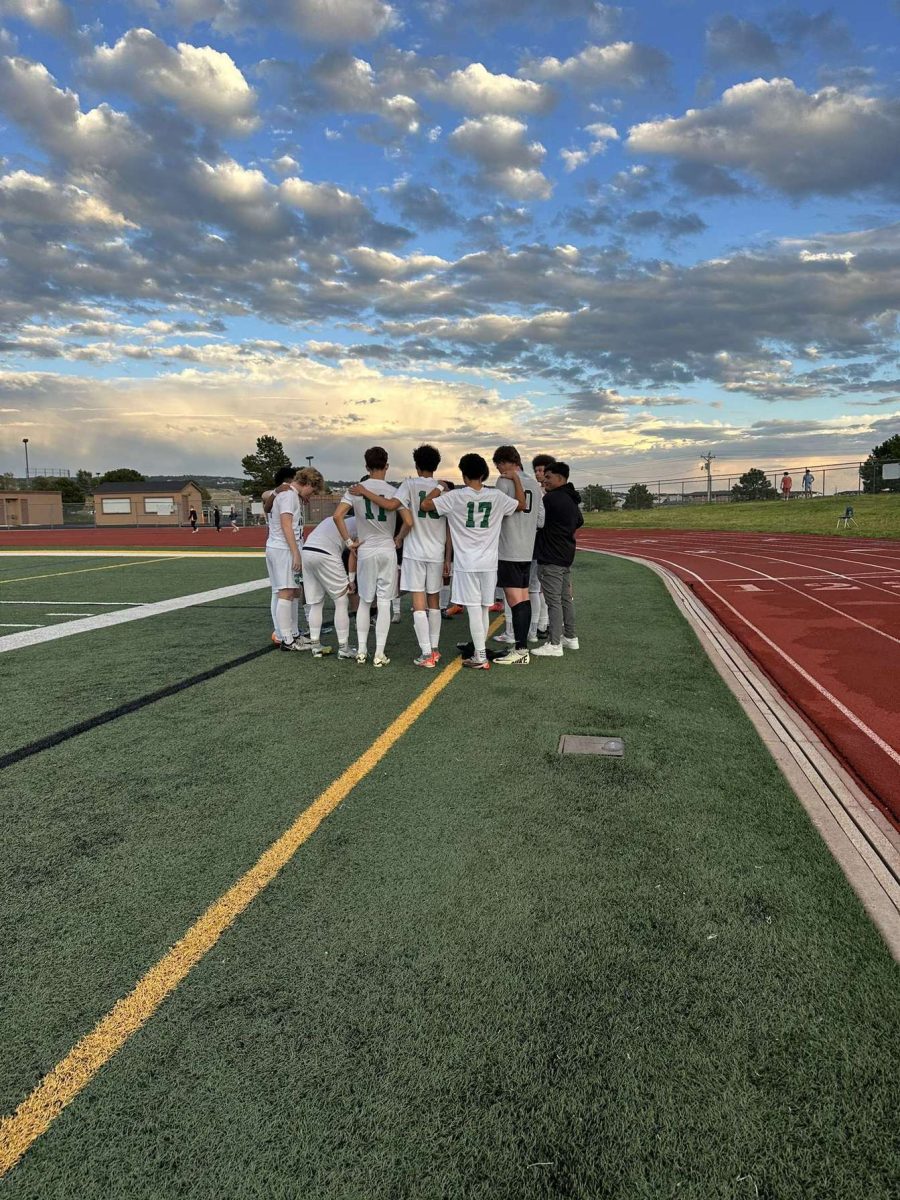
(786, 484)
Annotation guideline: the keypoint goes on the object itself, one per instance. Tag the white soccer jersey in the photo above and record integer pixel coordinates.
(285, 502)
(475, 519)
(325, 536)
(428, 536)
(373, 523)
(519, 530)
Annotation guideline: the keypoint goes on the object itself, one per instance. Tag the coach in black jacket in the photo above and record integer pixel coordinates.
(554, 550)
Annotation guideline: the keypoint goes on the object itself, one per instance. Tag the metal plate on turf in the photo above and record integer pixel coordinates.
(576, 743)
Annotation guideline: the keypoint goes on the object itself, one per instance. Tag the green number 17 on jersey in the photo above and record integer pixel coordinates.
(484, 511)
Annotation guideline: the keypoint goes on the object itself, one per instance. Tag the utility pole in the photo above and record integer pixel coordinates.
(706, 464)
(25, 443)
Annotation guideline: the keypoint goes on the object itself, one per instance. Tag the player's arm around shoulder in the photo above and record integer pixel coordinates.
(428, 504)
(512, 476)
(391, 503)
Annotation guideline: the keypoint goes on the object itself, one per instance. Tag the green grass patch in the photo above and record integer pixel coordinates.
(491, 973)
(876, 516)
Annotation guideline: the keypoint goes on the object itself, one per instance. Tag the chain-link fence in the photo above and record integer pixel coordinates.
(808, 481)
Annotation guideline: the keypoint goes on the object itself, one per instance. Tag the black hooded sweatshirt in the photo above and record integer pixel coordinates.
(555, 543)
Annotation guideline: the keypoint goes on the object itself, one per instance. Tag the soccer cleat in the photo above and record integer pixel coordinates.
(425, 660)
(294, 645)
(276, 639)
(436, 655)
(570, 643)
(361, 656)
(548, 650)
(476, 664)
(395, 619)
(466, 649)
(320, 651)
(380, 660)
(346, 652)
(513, 658)
(497, 607)
(452, 610)
(508, 639)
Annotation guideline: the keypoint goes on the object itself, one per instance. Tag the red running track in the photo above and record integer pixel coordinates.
(821, 616)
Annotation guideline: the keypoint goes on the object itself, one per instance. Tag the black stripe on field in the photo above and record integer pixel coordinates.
(113, 714)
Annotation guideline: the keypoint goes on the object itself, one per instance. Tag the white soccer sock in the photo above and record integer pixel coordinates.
(315, 621)
(423, 634)
(382, 627)
(363, 621)
(487, 621)
(395, 605)
(342, 619)
(434, 627)
(476, 628)
(543, 616)
(535, 598)
(444, 599)
(507, 613)
(285, 622)
(306, 612)
(275, 612)
(295, 612)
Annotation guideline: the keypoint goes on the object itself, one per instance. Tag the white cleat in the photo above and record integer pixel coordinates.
(508, 639)
(380, 660)
(319, 651)
(346, 652)
(361, 657)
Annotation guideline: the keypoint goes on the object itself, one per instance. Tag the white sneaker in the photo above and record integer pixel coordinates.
(380, 660)
(570, 643)
(508, 639)
(346, 652)
(548, 650)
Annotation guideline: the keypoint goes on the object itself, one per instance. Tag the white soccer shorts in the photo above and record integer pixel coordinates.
(419, 576)
(376, 572)
(323, 575)
(278, 564)
(473, 587)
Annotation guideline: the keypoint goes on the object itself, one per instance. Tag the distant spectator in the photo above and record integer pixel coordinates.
(808, 480)
(192, 517)
(786, 484)
(217, 519)
(232, 514)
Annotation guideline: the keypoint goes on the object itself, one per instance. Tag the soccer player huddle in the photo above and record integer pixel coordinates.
(518, 535)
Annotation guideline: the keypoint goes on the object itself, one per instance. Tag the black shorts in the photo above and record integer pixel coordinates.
(513, 574)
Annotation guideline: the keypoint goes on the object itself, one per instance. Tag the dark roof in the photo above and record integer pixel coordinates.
(146, 485)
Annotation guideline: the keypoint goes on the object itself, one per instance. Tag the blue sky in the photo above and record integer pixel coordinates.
(626, 235)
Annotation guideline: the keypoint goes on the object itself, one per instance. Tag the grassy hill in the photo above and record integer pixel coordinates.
(876, 516)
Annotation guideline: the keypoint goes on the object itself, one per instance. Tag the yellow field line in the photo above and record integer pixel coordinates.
(84, 570)
(73, 1073)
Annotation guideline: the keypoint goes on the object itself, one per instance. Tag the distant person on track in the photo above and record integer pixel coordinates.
(786, 484)
(808, 481)
(555, 553)
(192, 517)
(217, 519)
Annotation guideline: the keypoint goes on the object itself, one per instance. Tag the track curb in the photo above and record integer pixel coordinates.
(860, 838)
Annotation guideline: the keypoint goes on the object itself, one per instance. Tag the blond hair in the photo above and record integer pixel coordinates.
(311, 478)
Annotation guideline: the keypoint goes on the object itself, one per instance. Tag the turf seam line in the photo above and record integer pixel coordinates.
(144, 562)
(73, 1073)
(123, 710)
(50, 633)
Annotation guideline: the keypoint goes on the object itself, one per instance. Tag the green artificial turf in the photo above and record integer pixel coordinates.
(491, 973)
(876, 516)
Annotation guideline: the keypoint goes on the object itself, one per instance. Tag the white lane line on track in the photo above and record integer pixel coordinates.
(822, 570)
(50, 633)
(774, 579)
(820, 688)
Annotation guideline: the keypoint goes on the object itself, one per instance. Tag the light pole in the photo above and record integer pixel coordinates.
(706, 464)
(25, 444)
(309, 459)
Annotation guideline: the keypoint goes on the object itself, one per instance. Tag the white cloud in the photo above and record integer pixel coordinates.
(618, 65)
(319, 20)
(829, 141)
(600, 134)
(32, 199)
(202, 82)
(51, 15)
(478, 90)
(505, 159)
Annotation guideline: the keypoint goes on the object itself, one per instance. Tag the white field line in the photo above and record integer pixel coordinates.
(823, 691)
(18, 625)
(50, 633)
(79, 614)
(256, 553)
(83, 603)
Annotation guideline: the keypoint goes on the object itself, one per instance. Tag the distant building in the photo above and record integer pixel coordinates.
(150, 502)
(18, 508)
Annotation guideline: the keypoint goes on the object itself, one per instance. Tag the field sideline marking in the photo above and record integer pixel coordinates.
(74, 1072)
(255, 552)
(50, 633)
(84, 570)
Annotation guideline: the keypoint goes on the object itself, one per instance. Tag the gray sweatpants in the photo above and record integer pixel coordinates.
(557, 585)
